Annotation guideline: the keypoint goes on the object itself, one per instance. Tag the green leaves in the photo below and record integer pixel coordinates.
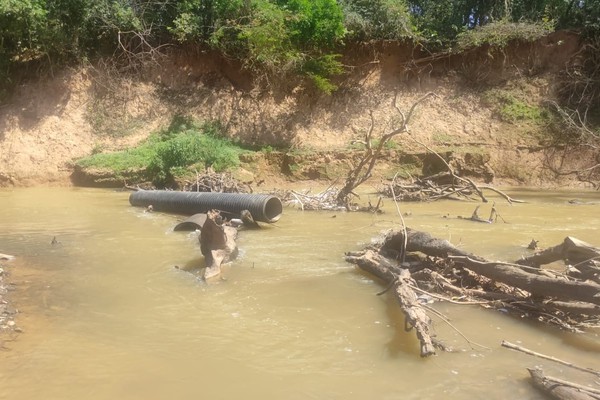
(499, 34)
(182, 145)
(267, 36)
(377, 19)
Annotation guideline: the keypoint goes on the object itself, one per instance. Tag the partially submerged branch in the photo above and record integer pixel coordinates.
(512, 346)
(560, 389)
(401, 281)
(448, 272)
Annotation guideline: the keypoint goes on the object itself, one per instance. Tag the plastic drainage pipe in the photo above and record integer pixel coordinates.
(263, 207)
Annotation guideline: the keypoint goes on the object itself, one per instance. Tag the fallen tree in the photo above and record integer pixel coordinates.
(553, 387)
(443, 185)
(433, 266)
(582, 258)
(401, 282)
(560, 389)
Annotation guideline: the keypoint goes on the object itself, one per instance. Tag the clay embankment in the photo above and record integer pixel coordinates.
(51, 122)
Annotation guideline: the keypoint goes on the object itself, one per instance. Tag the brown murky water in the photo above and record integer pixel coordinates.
(107, 316)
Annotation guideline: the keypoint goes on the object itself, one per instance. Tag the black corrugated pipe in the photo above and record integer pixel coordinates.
(263, 207)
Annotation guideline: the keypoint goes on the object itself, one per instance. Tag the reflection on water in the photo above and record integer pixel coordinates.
(106, 315)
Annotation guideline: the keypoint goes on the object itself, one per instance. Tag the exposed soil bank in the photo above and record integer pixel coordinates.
(52, 122)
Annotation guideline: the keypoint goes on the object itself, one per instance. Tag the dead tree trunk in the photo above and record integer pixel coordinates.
(510, 274)
(571, 250)
(401, 282)
(558, 389)
(361, 172)
(537, 285)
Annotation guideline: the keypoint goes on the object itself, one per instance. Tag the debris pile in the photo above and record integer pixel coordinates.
(414, 263)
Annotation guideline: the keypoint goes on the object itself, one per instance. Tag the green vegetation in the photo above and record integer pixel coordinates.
(499, 34)
(268, 36)
(511, 109)
(122, 161)
(171, 153)
(378, 19)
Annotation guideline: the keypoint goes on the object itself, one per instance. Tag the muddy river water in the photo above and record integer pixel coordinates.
(106, 315)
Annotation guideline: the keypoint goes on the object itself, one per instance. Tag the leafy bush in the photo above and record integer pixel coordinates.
(189, 148)
(319, 68)
(377, 19)
(131, 159)
(268, 38)
(499, 34)
(315, 24)
(169, 153)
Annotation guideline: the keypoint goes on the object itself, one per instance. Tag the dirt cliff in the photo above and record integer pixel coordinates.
(54, 120)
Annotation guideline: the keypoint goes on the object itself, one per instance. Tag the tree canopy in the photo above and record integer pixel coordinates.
(274, 35)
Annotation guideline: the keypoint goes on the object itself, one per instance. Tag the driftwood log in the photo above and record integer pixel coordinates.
(217, 243)
(582, 258)
(560, 389)
(522, 349)
(510, 274)
(571, 250)
(435, 265)
(401, 282)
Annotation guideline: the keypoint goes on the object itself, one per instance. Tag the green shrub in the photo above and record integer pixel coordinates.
(377, 19)
(168, 153)
(136, 158)
(517, 110)
(499, 34)
(190, 148)
(320, 69)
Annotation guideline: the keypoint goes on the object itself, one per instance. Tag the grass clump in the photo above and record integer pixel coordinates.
(172, 153)
(511, 109)
(121, 161)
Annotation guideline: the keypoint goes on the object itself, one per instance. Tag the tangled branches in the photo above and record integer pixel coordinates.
(580, 84)
(363, 170)
(216, 182)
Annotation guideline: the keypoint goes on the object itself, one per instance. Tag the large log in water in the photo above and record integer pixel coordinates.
(547, 292)
(559, 389)
(401, 282)
(571, 250)
(510, 274)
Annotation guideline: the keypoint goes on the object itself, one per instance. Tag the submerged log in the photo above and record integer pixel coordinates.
(537, 285)
(510, 274)
(571, 250)
(559, 389)
(401, 282)
(217, 243)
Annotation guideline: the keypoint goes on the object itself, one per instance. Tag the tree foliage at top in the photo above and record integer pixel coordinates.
(377, 19)
(272, 35)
